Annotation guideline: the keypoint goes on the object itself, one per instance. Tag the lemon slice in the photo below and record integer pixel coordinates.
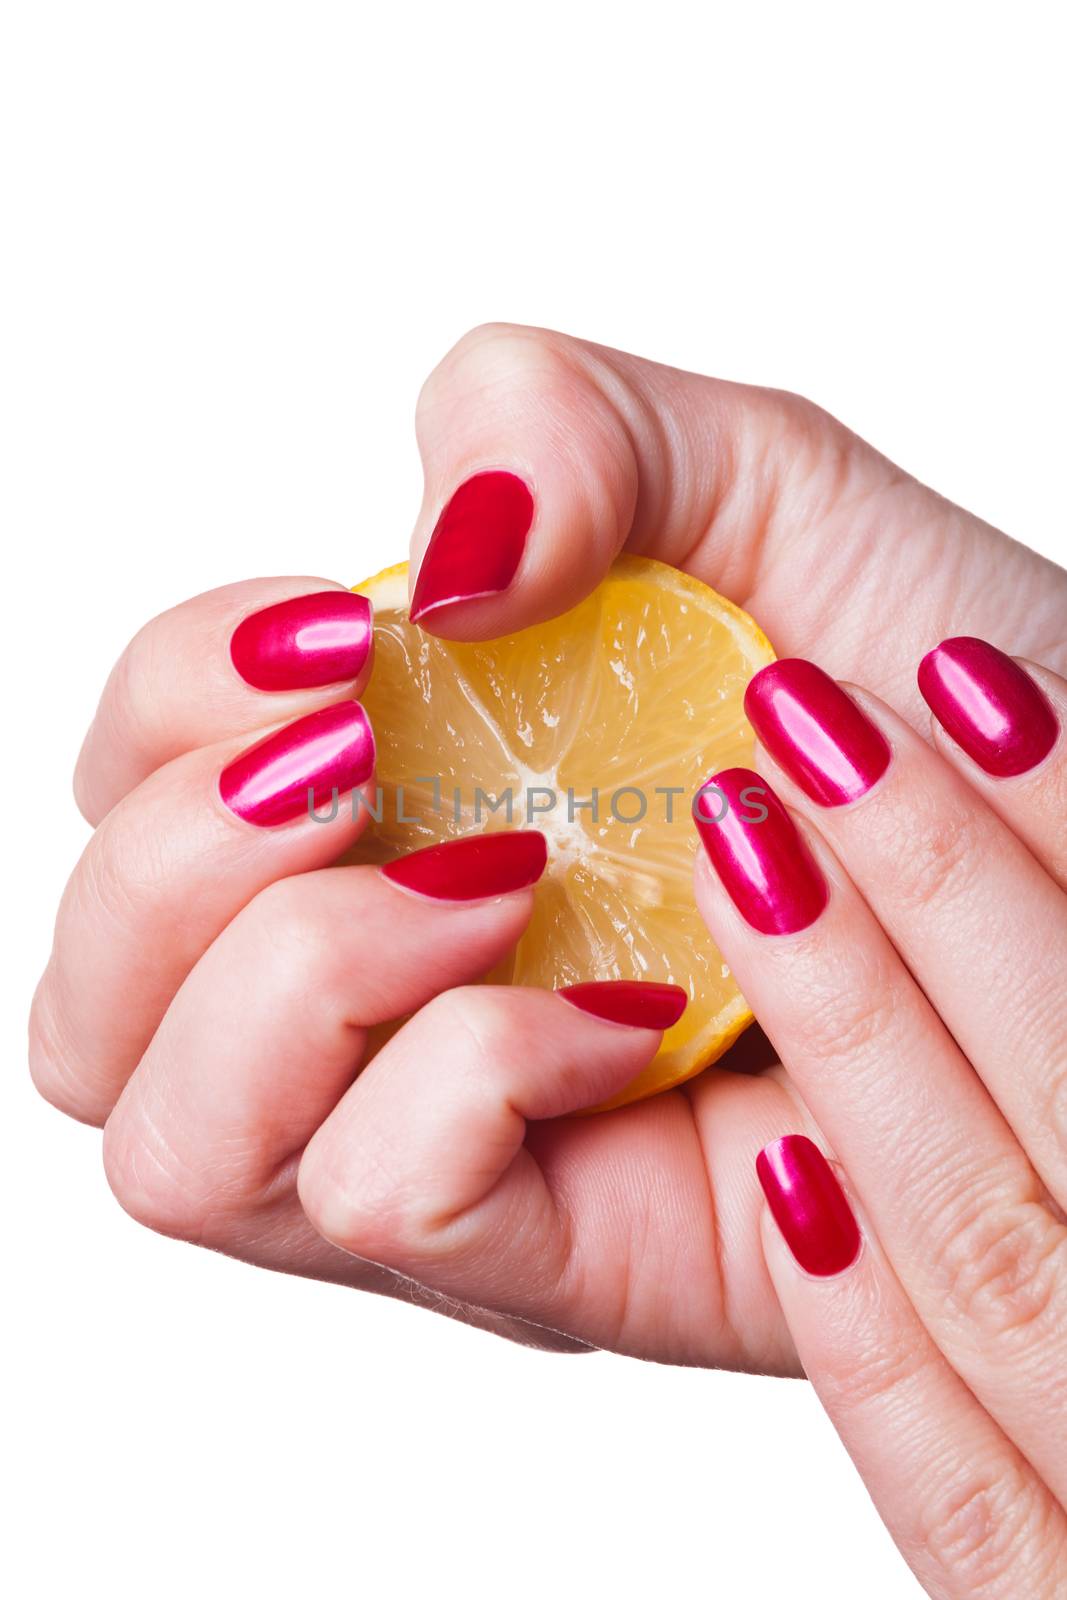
(597, 728)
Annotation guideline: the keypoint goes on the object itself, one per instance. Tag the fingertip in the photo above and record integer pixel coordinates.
(307, 641)
(477, 543)
(809, 1207)
(480, 867)
(631, 1004)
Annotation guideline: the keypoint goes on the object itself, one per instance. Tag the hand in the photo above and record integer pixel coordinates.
(208, 994)
(906, 950)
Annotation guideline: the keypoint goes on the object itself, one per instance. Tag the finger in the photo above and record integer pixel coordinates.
(974, 915)
(998, 722)
(203, 1142)
(544, 455)
(968, 1512)
(964, 1219)
(225, 663)
(423, 1166)
(166, 871)
(268, 1030)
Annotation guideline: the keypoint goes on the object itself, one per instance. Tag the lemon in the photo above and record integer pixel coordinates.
(597, 728)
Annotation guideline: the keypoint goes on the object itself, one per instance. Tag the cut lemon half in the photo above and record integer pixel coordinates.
(597, 728)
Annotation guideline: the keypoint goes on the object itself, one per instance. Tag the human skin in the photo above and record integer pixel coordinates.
(208, 995)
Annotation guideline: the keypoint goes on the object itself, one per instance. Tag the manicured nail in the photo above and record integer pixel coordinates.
(477, 545)
(989, 705)
(815, 732)
(765, 866)
(270, 782)
(637, 1005)
(305, 642)
(809, 1205)
(472, 869)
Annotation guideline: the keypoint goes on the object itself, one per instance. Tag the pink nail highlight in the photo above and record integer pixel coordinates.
(753, 844)
(305, 642)
(816, 732)
(270, 782)
(636, 1005)
(808, 1205)
(477, 545)
(986, 702)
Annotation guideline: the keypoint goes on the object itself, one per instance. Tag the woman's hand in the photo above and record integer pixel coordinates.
(905, 947)
(836, 551)
(208, 994)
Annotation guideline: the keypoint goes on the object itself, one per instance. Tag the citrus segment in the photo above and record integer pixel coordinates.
(596, 727)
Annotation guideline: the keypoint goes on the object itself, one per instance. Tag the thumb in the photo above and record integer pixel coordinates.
(545, 455)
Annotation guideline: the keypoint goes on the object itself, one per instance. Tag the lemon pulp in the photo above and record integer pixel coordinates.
(597, 728)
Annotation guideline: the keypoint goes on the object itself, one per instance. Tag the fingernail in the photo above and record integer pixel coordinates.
(989, 705)
(305, 642)
(271, 781)
(637, 1005)
(809, 1205)
(765, 866)
(472, 869)
(477, 545)
(815, 732)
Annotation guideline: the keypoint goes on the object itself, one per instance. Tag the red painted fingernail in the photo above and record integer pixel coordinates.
(472, 869)
(305, 642)
(809, 1205)
(638, 1005)
(989, 705)
(477, 545)
(271, 781)
(815, 732)
(765, 866)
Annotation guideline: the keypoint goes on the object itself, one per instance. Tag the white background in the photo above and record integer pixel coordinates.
(237, 238)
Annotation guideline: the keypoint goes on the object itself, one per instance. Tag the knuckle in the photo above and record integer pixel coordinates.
(812, 453)
(55, 1069)
(128, 706)
(488, 362)
(119, 871)
(866, 1371)
(1000, 1265)
(982, 1526)
(127, 868)
(485, 335)
(363, 1194)
(492, 346)
(147, 1180)
(361, 1208)
(791, 420)
(842, 1022)
(476, 1014)
(479, 1021)
(937, 859)
(296, 947)
(169, 1178)
(160, 1178)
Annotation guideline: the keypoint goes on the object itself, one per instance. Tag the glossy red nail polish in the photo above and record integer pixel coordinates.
(305, 642)
(765, 866)
(815, 732)
(637, 1005)
(477, 545)
(479, 868)
(270, 782)
(809, 1205)
(989, 705)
